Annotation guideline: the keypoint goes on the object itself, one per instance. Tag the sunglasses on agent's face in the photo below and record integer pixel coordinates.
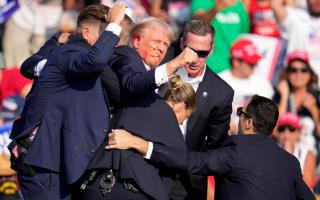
(200, 53)
(292, 69)
(291, 129)
(241, 112)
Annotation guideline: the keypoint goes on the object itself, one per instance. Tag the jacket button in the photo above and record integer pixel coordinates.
(92, 150)
(105, 130)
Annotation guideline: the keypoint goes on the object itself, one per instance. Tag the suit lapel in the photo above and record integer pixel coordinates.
(202, 96)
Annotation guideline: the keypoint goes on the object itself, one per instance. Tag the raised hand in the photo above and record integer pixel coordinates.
(310, 102)
(187, 56)
(116, 13)
(283, 88)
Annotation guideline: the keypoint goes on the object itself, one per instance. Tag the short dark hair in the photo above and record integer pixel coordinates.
(264, 113)
(93, 14)
(198, 27)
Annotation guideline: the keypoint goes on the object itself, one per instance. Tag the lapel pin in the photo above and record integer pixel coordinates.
(204, 94)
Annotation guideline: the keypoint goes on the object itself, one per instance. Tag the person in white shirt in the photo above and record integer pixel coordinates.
(301, 28)
(241, 77)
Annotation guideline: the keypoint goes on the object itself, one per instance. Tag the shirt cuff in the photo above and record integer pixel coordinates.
(150, 150)
(114, 28)
(161, 75)
(39, 67)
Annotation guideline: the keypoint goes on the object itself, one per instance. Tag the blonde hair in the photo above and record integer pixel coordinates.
(152, 22)
(176, 91)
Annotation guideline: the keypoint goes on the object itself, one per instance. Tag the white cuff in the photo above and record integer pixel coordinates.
(39, 67)
(161, 75)
(150, 150)
(114, 28)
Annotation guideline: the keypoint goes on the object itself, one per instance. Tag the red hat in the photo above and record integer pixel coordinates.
(289, 119)
(298, 55)
(245, 50)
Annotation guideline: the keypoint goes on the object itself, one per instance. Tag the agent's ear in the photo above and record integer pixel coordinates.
(136, 41)
(212, 48)
(248, 124)
(85, 32)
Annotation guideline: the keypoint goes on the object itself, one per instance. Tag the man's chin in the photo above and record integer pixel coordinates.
(192, 71)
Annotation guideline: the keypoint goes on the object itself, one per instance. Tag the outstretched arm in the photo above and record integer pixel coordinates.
(135, 81)
(121, 139)
(200, 163)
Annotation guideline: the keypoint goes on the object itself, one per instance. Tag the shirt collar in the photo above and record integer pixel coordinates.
(146, 66)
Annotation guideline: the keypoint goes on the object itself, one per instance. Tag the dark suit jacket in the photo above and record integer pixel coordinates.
(212, 116)
(27, 67)
(247, 167)
(142, 112)
(69, 107)
(152, 119)
(208, 126)
(126, 78)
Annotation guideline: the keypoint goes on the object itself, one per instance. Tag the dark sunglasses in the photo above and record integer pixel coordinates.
(283, 128)
(200, 53)
(241, 112)
(295, 70)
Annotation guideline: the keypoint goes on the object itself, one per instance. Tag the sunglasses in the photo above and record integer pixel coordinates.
(296, 70)
(283, 128)
(241, 112)
(200, 53)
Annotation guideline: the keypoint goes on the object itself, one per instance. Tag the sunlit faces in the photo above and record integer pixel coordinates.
(299, 74)
(314, 7)
(200, 44)
(245, 69)
(152, 45)
(287, 134)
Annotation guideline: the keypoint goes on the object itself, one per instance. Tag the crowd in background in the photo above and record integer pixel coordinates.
(290, 74)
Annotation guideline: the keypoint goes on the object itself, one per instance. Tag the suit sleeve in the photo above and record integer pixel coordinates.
(111, 85)
(303, 192)
(132, 79)
(199, 163)
(27, 67)
(92, 62)
(219, 123)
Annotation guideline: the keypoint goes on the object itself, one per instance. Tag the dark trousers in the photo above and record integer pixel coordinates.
(118, 191)
(42, 185)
